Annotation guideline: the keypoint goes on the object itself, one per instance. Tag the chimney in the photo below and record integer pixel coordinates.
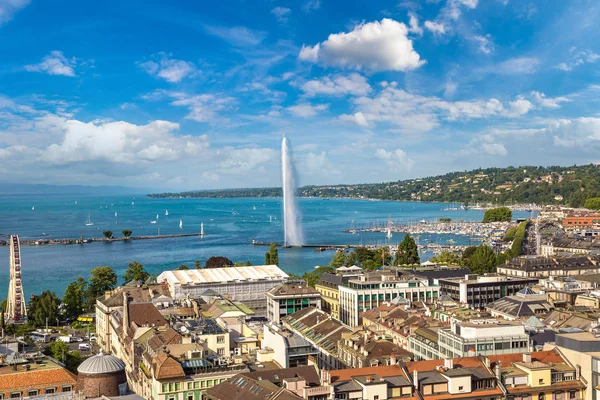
(369, 379)
(486, 360)
(527, 357)
(498, 371)
(392, 359)
(416, 379)
(577, 372)
(125, 313)
(448, 363)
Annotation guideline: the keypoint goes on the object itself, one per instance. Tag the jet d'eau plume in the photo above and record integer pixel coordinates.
(291, 215)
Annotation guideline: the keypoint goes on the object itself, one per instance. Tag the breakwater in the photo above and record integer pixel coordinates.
(67, 241)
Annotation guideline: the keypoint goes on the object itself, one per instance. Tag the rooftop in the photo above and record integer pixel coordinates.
(292, 289)
(46, 373)
(196, 277)
(530, 263)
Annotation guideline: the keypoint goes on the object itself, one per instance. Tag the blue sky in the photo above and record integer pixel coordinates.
(197, 94)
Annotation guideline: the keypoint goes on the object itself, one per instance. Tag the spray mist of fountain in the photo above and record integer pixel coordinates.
(291, 214)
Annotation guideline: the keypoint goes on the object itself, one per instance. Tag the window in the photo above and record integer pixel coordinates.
(541, 383)
(165, 388)
(32, 392)
(541, 396)
(221, 351)
(220, 339)
(460, 388)
(49, 390)
(177, 386)
(15, 395)
(196, 385)
(376, 397)
(572, 395)
(190, 396)
(67, 388)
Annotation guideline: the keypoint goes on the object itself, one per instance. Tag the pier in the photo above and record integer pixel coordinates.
(67, 241)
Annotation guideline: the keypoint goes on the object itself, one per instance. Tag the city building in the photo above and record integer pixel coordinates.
(289, 349)
(523, 305)
(328, 286)
(287, 298)
(582, 349)
(576, 221)
(321, 331)
(35, 376)
(101, 375)
(479, 290)
(564, 290)
(372, 289)
(243, 388)
(245, 284)
(363, 347)
(423, 343)
(543, 267)
(569, 246)
(482, 337)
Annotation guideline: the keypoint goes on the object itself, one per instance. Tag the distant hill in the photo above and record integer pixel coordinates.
(512, 185)
(24, 188)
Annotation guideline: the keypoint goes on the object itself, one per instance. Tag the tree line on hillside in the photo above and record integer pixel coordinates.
(570, 186)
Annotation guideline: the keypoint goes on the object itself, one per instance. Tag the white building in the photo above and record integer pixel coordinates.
(245, 284)
(370, 290)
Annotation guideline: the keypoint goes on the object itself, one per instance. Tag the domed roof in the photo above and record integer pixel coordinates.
(101, 363)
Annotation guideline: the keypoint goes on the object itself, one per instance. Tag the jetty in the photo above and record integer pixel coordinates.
(82, 240)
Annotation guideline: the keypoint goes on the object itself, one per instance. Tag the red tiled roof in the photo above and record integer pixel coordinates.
(546, 357)
(22, 379)
(383, 371)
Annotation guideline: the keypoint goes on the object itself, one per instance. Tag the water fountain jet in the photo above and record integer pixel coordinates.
(291, 216)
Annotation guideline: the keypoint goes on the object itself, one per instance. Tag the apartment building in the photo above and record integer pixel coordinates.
(543, 267)
(370, 290)
(287, 298)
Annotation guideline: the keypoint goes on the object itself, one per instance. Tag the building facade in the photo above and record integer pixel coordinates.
(370, 290)
(479, 290)
(287, 298)
(543, 267)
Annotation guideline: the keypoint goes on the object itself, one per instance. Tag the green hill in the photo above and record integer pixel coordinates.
(512, 185)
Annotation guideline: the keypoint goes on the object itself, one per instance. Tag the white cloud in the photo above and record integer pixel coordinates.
(338, 85)
(577, 58)
(437, 28)
(281, 13)
(237, 35)
(373, 46)
(494, 149)
(516, 66)
(548, 102)
(54, 63)
(202, 107)
(395, 159)
(485, 44)
(413, 24)
(581, 132)
(519, 107)
(357, 118)
(8, 8)
(306, 110)
(310, 5)
(167, 68)
(247, 160)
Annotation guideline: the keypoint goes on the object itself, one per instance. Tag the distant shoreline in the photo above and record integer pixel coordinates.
(71, 241)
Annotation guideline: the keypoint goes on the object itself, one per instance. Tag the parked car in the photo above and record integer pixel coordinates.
(93, 339)
(84, 346)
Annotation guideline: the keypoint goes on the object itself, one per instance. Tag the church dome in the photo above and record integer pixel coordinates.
(101, 363)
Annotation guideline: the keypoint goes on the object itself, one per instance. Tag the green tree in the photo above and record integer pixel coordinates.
(593, 203)
(500, 214)
(108, 234)
(242, 263)
(57, 350)
(274, 254)
(182, 268)
(135, 272)
(408, 252)
(509, 235)
(483, 260)
(268, 258)
(446, 257)
(218, 262)
(126, 233)
(101, 279)
(465, 258)
(313, 277)
(74, 298)
(46, 305)
(197, 264)
(338, 259)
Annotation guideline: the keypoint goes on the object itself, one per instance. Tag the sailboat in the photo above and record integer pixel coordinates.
(153, 222)
(270, 218)
(32, 208)
(166, 212)
(89, 221)
(180, 224)
(115, 214)
(156, 216)
(389, 228)
(254, 207)
(202, 229)
(132, 203)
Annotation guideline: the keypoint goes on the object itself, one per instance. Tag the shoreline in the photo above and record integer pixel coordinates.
(82, 241)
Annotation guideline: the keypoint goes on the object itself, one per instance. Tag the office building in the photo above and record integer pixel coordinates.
(479, 290)
(543, 267)
(287, 298)
(521, 306)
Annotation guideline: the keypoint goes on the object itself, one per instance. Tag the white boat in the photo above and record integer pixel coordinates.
(89, 221)
(270, 218)
(254, 207)
(115, 214)
(180, 224)
(152, 222)
(202, 229)
(156, 216)
(32, 208)
(132, 203)
(167, 212)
